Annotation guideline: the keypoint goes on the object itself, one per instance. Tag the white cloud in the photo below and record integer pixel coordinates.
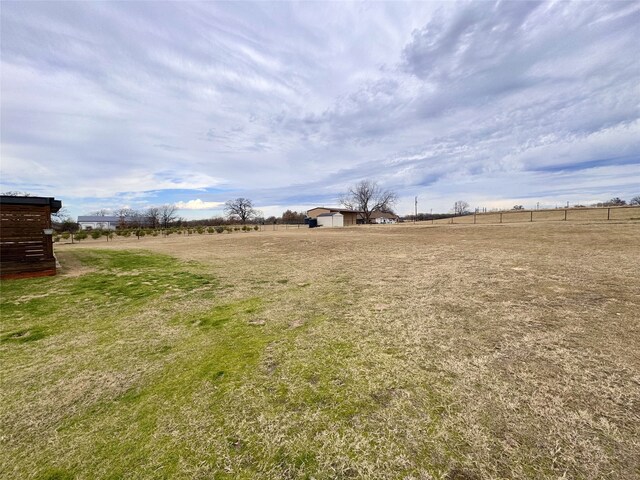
(198, 204)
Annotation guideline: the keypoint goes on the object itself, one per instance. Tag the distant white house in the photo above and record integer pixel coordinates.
(383, 217)
(98, 222)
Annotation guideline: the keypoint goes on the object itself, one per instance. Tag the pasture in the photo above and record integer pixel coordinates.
(409, 351)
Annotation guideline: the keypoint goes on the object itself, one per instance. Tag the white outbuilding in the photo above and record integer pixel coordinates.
(333, 219)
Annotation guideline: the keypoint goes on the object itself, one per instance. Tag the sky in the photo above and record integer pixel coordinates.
(135, 104)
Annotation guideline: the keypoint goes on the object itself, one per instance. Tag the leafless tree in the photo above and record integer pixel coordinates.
(293, 217)
(460, 207)
(153, 215)
(241, 208)
(367, 197)
(100, 213)
(168, 214)
(635, 200)
(128, 217)
(616, 202)
(15, 193)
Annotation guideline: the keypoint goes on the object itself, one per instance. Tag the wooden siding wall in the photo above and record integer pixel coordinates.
(25, 251)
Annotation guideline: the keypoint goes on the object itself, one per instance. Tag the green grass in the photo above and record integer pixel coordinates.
(148, 367)
(57, 319)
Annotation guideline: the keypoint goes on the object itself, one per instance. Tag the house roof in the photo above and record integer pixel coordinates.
(55, 205)
(378, 214)
(331, 214)
(99, 218)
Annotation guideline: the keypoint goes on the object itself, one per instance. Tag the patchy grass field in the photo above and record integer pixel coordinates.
(467, 352)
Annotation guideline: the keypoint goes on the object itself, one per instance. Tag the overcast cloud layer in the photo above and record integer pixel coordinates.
(111, 104)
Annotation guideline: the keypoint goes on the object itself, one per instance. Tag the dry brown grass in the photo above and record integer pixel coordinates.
(487, 351)
(580, 215)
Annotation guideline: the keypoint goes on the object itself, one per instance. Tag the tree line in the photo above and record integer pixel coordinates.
(366, 197)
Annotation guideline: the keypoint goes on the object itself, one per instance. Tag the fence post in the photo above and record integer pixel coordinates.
(608, 214)
(500, 217)
(565, 215)
(531, 220)
(474, 218)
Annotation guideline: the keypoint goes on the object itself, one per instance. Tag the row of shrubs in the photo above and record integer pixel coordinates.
(95, 234)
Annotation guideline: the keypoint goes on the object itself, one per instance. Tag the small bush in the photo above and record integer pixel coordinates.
(256, 228)
(126, 233)
(65, 236)
(236, 229)
(96, 234)
(140, 233)
(200, 230)
(179, 232)
(219, 229)
(154, 233)
(56, 239)
(81, 235)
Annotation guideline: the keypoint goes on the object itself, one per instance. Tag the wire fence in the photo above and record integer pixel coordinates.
(589, 214)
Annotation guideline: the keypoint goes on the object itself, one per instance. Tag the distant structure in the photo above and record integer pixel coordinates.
(26, 244)
(98, 222)
(349, 217)
(384, 217)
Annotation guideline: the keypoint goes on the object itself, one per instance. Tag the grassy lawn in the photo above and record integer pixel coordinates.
(393, 352)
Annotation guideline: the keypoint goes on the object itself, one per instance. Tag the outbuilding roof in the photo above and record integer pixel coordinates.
(52, 202)
(99, 218)
(335, 209)
(330, 214)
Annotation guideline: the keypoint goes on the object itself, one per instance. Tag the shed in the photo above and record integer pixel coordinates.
(26, 246)
(330, 220)
(350, 217)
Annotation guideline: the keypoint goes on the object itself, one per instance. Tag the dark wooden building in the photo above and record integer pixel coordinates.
(26, 245)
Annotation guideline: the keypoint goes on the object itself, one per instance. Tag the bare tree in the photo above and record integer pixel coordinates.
(241, 208)
(168, 214)
(293, 217)
(16, 193)
(367, 197)
(128, 217)
(60, 215)
(460, 207)
(100, 213)
(635, 200)
(153, 216)
(616, 202)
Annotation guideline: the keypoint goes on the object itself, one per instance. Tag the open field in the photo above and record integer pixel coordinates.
(462, 352)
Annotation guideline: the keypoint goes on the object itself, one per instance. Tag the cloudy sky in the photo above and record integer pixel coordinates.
(138, 104)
